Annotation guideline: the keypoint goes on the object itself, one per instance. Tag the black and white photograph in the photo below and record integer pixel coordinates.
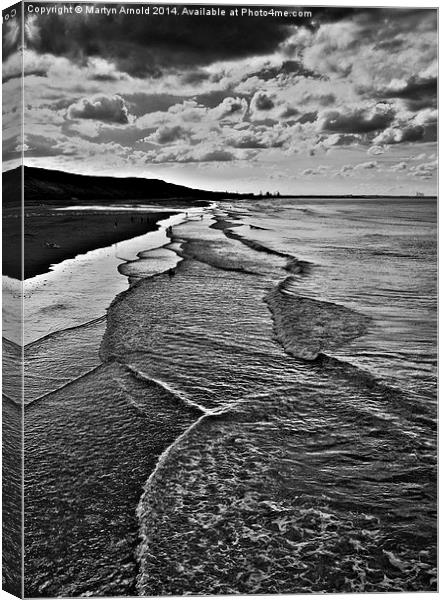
(219, 299)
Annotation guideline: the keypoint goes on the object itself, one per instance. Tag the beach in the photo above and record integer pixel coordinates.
(220, 301)
(53, 236)
(256, 419)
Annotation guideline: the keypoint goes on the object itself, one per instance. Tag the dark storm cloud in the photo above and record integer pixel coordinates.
(356, 121)
(416, 88)
(413, 134)
(146, 45)
(261, 101)
(288, 112)
(309, 117)
(195, 77)
(288, 67)
(19, 72)
(418, 92)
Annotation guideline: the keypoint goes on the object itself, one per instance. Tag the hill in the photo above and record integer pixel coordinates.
(47, 186)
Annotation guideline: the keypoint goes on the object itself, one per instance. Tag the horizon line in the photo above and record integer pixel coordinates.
(252, 194)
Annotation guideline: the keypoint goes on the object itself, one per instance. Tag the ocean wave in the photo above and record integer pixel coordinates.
(255, 245)
(215, 248)
(12, 363)
(286, 496)
(12, 493)
(181, 396)
(55, 334)
(54, 361)
(210, 254)
(90, 448)
(292, 265)
(261, 473)
(58, 388)
(296, 266)
(307, 327)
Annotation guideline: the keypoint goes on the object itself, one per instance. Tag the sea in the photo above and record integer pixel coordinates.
(243, 402)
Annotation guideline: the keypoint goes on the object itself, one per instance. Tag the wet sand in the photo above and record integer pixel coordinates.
(52, 237)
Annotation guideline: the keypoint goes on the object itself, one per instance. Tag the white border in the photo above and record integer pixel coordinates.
(327, 3)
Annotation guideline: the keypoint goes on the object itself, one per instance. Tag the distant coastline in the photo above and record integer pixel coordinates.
(48, 186)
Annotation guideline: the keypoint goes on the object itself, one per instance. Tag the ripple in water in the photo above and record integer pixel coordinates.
(278, 474)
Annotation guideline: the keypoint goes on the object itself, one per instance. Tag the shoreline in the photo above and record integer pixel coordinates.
(144, 400)
(51, 237)
(48, 295)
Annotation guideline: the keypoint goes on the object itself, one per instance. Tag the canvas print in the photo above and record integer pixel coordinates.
(219, 282)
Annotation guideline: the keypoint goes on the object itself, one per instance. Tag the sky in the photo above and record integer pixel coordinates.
(342, 101)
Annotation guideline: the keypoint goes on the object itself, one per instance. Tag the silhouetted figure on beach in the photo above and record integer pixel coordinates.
(115, 223)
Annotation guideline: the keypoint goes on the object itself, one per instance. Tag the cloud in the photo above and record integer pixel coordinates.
(419, 90)
(290, 113)
(376, 150)
(185, 154)
(192, 120)
(141, 103)
(372, 50)
(11, 34)
(273, 107)
(259, 137)
(83, 148)
(147, 45)
(425, 170)
(402, 166)
(215, 155)
(320, 170)
(231, 109)
(367, 165)
(356, 120)
(340, 139)
(101, 108)
(332, 48)
(428, 116)
(286, 67)
(186, 89)
(168, 135)
(396, 135)
(347, 170)
(103, 70)
(261, 102)
(410, 127)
